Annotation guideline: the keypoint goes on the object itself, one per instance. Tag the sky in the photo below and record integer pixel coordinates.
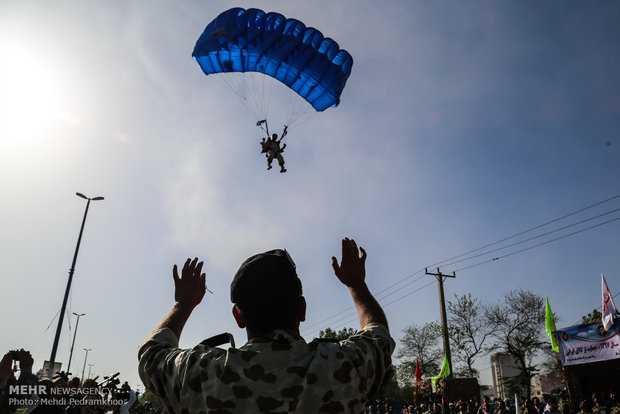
(462, 124)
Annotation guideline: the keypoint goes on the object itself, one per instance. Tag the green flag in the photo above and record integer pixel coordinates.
(550, 326)
(445, 371)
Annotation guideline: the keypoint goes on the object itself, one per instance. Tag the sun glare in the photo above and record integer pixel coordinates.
(33, 95)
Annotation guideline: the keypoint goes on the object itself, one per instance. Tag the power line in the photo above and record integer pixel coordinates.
(379, 298)
(579, 321)
(533, 238)
(350, 313)
(540, 244)
(526, 231)
(384, 305)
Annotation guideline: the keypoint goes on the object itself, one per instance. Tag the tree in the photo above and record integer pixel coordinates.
(405, 373)
(340, 335)
(595, 316)
(469, 331)
(519, 320)
(421, 343)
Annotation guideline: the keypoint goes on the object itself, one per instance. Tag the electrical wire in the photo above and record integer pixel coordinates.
(379, 298)
(535, 237)
(349, 313)
(383, 305)
(538, 245)
(527, 231)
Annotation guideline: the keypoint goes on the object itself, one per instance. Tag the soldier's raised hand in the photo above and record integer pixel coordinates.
(351, 271)
(190, 287)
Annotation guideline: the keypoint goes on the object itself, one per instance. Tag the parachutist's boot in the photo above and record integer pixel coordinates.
(269, 167)
(282, 170)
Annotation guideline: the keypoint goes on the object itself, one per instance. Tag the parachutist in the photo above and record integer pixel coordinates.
(271, 146)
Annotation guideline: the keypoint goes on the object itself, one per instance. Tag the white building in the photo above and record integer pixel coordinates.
(503, 366)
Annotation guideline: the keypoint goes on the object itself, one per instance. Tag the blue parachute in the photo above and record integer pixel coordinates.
(251, 40)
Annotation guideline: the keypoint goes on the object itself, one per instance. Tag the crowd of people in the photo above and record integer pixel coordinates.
(109, 395)
(601, 403)
(28, 393)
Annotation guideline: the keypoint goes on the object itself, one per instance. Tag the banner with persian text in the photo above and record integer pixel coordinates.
(589, 343)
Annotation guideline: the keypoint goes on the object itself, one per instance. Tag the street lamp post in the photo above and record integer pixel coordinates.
(85, 358)
(89, 367)
(64, 301)
(74, 335)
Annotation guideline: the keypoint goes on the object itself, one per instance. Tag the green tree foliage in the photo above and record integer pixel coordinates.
(405, 373)
(469, 331)
(422, 343)
(519, 321)
(340, 335)
(594, 316)
(515, 326)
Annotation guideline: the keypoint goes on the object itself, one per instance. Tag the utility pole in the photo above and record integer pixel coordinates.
(444, 319)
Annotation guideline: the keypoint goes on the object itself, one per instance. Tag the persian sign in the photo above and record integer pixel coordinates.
(589, 343)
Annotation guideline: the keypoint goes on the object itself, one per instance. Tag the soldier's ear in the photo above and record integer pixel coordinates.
(301, 310)
(238, 316)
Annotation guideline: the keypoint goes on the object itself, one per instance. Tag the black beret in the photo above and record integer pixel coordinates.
(266, 276)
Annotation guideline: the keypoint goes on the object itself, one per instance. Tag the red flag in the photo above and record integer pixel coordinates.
(418, 373)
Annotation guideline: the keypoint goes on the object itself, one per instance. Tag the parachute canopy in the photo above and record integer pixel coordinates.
(251, 40)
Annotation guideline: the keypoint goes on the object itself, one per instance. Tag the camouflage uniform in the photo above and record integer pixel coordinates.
(564, 406)
(279, 374)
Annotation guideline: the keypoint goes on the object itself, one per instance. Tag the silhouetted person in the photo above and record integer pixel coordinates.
(276, 370)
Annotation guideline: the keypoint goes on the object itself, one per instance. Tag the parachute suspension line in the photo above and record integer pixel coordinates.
(296, 110)
(248, 88)
(299, 111)
(252, 90)
(301, 119)
(255, 94)
(245, 90)
(234, 84)
(262, 93)
(256, 91)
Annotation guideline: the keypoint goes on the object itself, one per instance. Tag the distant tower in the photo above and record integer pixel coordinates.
(503, 366)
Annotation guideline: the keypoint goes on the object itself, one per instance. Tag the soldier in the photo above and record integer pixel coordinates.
(564, 404)
(276, 370)
(271, 146)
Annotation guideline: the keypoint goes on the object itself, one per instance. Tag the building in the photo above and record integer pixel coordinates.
(546, 384)
(503, 366)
